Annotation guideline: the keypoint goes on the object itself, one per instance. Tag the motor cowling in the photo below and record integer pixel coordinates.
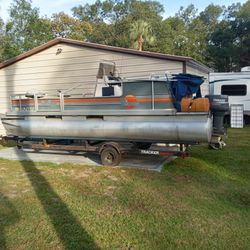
(219, 106)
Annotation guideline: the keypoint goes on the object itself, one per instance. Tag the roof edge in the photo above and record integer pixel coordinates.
(29, 53)
(124, 50)
(200, 65)
(103, 47)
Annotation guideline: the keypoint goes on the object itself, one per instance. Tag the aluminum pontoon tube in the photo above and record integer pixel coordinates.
(178, 128)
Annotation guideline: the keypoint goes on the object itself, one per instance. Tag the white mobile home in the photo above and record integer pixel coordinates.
(236, 85)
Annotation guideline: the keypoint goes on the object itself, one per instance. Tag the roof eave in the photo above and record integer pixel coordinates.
(200, 66)
(29, 53)
(103, 47)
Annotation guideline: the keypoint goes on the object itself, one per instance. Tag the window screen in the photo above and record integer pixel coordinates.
(137, 88)
(161, 88)
(234, 90)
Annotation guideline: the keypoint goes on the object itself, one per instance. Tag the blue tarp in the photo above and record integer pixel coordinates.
(185, 85)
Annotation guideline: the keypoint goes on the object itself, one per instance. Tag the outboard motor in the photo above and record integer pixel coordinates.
(219, 106)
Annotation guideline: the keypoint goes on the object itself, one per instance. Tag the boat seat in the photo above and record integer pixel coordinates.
(117, 90)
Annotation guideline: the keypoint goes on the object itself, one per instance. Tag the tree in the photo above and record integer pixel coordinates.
(149, 11)
(223, 54)
(187, 14)
(110, 11)
(228, 46)
(140, 33)
(183, 34)
(170, 36)
(111, 19)
(197, 40)
(63, 25)
(2, 38)
(210, 16)
(90, 13)
(25, 29)
(241, 26)
(218, 36)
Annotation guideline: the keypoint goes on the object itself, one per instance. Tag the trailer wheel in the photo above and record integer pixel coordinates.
(110, 156)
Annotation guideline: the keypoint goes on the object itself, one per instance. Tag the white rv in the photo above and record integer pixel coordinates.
(236, 85)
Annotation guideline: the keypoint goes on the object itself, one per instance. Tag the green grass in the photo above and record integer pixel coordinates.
(6, 144)
(201, 202)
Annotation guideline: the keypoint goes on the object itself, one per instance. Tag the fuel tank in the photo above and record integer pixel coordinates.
(179, 128)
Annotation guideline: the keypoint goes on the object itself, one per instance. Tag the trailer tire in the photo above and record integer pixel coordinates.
(110, 156)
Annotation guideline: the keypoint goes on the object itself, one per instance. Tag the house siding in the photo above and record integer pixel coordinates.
(205, 85)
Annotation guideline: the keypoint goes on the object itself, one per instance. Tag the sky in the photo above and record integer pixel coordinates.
(48, 7)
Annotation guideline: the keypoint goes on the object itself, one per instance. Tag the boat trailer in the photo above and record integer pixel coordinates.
(110, 152)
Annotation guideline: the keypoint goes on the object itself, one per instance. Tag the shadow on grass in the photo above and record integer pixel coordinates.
(69, 230)
(223, 173)
(8, 216)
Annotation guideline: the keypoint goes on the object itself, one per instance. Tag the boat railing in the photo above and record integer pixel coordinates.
(34, 101)
(37, 102)
(70, 99)
(29, 102)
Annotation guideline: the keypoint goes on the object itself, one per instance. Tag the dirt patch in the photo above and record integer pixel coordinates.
(12, 195)
(82, 174)
(110, 192)
(113, 178)
(25, 191)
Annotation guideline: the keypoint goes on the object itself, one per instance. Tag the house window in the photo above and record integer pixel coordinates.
(234, 90)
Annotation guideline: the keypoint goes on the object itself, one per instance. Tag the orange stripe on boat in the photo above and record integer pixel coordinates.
(32, 101)
(22, 101)
(129, 99)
